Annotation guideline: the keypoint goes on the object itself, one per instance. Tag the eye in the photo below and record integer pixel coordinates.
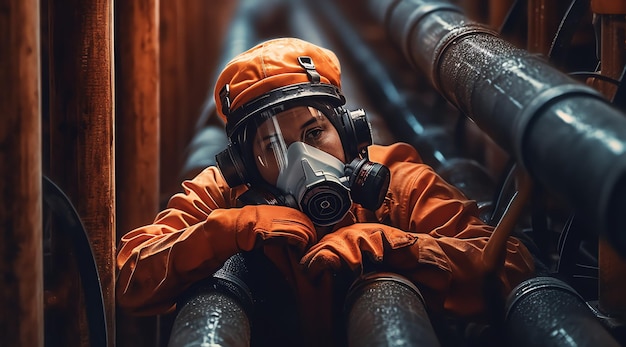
(314, 134)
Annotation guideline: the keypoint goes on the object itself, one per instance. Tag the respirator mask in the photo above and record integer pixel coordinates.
(298, 151)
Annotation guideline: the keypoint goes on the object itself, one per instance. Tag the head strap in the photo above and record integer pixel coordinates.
(307, 64)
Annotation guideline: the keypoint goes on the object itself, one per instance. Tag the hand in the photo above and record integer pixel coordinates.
(262, 223)
(345, 247)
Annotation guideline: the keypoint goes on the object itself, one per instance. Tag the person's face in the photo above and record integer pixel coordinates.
(303, 124)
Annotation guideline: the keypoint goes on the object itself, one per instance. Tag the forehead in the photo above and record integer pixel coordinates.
(293, 118)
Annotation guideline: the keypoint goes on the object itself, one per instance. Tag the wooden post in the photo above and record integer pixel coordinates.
(498, 10)
(612, 282)
(544, 17)
(21, 301)
(191, 34)
(137, 137)
(137, 113)
(81, 134)
(174, 107)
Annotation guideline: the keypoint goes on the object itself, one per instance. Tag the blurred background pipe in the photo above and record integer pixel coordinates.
(410, 118)
(385, 309)
(549, 122)
(545, 311)
(244, 31)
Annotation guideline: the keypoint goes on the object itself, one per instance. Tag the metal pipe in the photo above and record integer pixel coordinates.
(215, 312)
(406, 112)
(545, 311)
(385, 309)
(210, 318)
(565, 133)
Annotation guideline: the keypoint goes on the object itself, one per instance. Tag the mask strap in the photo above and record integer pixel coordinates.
(307, 64)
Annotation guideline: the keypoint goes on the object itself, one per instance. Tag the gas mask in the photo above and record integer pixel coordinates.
(298, 153)
(324, 187)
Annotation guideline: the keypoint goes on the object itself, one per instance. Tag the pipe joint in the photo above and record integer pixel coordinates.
(407, 15)
(453, 36)
(535, 106)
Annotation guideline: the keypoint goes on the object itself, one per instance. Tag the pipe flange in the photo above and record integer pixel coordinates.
(540, 101)
(372, 277)
(414, 18)
(533, 285)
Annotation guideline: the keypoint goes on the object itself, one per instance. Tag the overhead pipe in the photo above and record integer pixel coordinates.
(563, 132)
(408, 118)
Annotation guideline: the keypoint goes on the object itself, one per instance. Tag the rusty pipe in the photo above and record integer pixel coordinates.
(566, 134)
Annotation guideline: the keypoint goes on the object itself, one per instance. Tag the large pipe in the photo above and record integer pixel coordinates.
(385, 309)
(566, 134)
(545, 311)
(215, 312)
(407, 114)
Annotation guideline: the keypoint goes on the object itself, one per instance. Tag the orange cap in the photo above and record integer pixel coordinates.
(270, 65)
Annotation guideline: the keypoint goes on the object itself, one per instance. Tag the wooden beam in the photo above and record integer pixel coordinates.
(21, 298)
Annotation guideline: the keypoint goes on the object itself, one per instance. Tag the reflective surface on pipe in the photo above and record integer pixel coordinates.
(211, 319)
(385, 309)
(587, 154)
(509, 93)
(545, 311)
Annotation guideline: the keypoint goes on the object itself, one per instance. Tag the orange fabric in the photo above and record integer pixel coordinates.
(191, 239)
(273, 64)
(346, 246)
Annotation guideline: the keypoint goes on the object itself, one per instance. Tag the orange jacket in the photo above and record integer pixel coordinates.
(159, 261)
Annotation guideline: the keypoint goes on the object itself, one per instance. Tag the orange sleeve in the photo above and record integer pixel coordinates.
(447, 258)
(158, 261)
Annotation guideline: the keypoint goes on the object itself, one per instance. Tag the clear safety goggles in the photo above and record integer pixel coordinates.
(275, 134)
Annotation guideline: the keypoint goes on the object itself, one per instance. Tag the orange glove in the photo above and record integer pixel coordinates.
(159, 261)
(345, 247)
(257, 224)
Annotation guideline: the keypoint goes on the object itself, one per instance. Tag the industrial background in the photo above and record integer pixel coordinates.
(106, 106)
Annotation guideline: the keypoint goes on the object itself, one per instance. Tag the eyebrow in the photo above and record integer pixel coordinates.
(303, 126)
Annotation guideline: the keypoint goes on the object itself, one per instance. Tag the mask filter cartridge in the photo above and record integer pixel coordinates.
(321, 184)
